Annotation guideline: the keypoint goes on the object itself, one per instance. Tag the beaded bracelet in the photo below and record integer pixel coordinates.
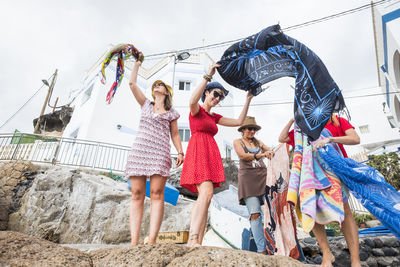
(207, 77)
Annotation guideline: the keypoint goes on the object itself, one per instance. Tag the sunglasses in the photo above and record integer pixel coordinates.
(252, 129)
(218, 95)
(160, 84)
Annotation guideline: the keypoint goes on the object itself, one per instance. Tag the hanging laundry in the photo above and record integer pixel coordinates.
(269, 55)
(122, 51)
(279, 220)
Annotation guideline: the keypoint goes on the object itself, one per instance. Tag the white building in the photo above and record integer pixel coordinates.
(387, 34)
(386, 22)
(93, 119)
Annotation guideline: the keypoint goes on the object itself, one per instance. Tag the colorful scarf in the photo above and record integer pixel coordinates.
(269, 55)
(314, 188)
(122, 54)
(279, 222)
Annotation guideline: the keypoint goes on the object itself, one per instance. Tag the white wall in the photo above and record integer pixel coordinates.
(97, 120)
(389, 45)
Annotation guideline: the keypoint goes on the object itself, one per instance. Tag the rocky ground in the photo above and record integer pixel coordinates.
(69, 206)
(18, 249)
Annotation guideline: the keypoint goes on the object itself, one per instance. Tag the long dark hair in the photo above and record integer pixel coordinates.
(256, 142)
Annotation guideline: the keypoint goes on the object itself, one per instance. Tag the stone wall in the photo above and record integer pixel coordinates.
(64, 205)
(374, 251)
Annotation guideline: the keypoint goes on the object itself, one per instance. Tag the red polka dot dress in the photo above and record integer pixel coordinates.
(203, 160)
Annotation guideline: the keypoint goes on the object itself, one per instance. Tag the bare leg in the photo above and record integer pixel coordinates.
(157, 187)
(138, 187)
(203, 228)
(199, 212)
(320, 234)
(350, 232)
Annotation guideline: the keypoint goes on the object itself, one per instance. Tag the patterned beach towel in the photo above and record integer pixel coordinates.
(279, 221)
(367, 185)
(122, 54)
(314, 188)
(269, 55)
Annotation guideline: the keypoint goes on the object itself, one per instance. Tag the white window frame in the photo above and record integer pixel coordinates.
(185, 87)
(364, 129)
(186, 134)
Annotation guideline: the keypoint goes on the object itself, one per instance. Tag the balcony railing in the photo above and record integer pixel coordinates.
(78, 153)
(63, 151)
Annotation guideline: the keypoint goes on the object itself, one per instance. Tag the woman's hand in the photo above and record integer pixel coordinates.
(211, 69)
(137, 63)
(179, 160)
(269, 154)
(321, 143)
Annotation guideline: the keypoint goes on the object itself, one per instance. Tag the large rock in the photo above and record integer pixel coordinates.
(67, 206)
(15, 178)
(17, 249)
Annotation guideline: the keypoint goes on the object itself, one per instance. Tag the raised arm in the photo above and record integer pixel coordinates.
(284, 136)
(237, 122)
(137, 93)
(176, 140)
(198, 92)
(350, 138)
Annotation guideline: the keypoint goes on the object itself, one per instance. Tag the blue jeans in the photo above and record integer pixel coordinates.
(257, 225)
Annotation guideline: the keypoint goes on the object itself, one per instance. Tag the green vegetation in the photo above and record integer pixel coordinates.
(361, 218)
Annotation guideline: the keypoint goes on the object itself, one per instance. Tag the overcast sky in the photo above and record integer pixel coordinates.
(39, 36)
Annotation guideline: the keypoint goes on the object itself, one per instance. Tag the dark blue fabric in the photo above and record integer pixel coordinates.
(269, 55)
(367, 185)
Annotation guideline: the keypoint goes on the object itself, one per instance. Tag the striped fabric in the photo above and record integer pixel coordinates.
(314, 188)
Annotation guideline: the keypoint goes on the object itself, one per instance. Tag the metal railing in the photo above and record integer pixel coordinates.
(79, 153)
(63, 151)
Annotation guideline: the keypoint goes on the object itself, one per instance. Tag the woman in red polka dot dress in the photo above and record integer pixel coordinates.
(203, 169)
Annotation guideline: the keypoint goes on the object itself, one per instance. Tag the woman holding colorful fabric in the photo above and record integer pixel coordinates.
(203, 169)
(343, 133)
(252, 177)
(150, 154)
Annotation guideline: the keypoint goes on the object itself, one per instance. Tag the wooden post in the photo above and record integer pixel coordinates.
(45, 102)
(55, 105)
